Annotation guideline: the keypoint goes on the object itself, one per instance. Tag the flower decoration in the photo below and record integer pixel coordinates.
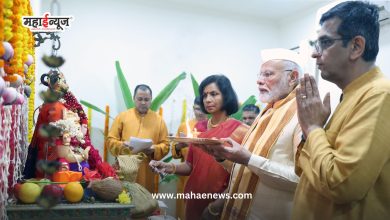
(69, 125)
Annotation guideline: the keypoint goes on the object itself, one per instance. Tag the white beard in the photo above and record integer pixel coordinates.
(279, 90)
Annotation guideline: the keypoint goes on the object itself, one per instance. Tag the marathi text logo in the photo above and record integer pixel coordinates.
(47, 23)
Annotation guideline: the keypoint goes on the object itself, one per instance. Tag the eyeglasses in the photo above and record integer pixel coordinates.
(324, 43)
(268, 74)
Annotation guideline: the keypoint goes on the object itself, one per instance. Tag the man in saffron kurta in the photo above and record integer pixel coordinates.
(264, 166)
(140, 122)
(180, 150)
(345, 166)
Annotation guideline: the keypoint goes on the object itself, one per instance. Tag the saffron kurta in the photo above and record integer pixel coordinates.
(273, 140)
(131, 124)
(208, 176)
(346, 166)
(182, 155)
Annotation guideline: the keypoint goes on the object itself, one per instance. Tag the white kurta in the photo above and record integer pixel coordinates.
(277, 180)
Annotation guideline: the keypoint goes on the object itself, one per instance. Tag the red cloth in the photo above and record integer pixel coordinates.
(207, 175)
(49, 112)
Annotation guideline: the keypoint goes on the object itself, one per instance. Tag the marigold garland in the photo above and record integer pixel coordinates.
(1, 32)
(16, 62)
(30, 76)
(8, 4)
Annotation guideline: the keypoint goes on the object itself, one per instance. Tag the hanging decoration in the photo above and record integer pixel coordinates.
(17, 70)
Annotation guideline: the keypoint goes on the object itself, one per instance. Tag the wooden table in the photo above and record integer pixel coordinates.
(76, 211)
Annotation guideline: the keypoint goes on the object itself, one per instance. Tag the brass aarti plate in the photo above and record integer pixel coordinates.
(188, 140)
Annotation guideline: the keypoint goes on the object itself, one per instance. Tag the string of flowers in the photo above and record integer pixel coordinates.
(8, 4)
(16, 62)
(2, 51)
(31, 106)
(13, 118)
(30, 79)
(6, 121)
(25, 32)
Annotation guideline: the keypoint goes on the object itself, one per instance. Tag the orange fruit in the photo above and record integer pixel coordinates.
(73, 192)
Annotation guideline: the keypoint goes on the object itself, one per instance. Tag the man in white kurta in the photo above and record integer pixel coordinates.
(264, 164)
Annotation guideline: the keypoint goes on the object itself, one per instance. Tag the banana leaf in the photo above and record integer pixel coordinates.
(126, 93)
(166, 92)
(238, 114)
(89, 105)
(195, 85)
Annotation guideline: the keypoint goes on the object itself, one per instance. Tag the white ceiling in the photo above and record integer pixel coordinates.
(263, 9)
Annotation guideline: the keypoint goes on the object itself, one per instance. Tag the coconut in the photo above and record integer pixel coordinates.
(107, 189)
(9, 95)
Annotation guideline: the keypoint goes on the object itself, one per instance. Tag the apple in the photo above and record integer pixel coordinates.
(17, 189)
(51, 195)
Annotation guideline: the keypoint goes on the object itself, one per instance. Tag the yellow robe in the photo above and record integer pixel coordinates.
(130, 124)
(182, 154)
(346, 166)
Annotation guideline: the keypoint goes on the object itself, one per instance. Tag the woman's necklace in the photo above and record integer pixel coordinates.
(211, 125)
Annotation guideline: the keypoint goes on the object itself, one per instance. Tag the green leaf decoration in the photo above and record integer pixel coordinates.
(166, 92)
(238, 114)
(195, 85)
(89, 105)
(127, 97)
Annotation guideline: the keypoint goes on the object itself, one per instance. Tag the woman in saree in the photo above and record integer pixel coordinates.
(206, 175)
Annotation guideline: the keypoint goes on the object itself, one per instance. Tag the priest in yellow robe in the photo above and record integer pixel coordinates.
(140, 122)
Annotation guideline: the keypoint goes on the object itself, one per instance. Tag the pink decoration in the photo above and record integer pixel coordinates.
(2, 85)
(25, 69)
(9, 95)
(19, 99)
(9, 51)
(30, 60)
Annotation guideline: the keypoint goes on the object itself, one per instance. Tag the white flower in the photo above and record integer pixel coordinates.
(70, 126)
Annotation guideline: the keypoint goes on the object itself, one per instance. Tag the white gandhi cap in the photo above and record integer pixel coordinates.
(281, 54)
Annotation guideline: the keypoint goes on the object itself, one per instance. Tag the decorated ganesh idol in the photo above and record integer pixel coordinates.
(61, 132)
(71, 156)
